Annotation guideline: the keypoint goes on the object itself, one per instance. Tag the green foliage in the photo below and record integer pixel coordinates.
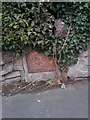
(49, 82)
(28, 25)
(77, 14)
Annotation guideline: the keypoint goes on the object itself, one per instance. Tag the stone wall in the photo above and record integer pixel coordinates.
(11, 69)
(36, 66)
(15, 69)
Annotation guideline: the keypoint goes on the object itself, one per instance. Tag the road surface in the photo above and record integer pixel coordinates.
(71, 102)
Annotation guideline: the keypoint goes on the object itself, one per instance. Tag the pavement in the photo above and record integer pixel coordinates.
(71, 102)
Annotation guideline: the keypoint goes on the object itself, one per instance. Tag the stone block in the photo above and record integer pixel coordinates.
(40, 76)
(18, 64)
(12, 75)
(1, 62)
(0, 69)
(7, 68)
(80, 69)
(10, 80)
(1, 78)
(7, 57)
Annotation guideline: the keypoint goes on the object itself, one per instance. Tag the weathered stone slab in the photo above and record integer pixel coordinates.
(18, 64)
(1, 72)
(1, 62)
(12, 75)
(25, 68)
(10, 80)
(83, 58)
(7, 68)
(7, 56)
(81, 68)
(1, 78)
(40, 76)
(0, 69)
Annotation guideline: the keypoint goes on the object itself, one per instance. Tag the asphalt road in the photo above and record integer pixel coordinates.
(71, 102)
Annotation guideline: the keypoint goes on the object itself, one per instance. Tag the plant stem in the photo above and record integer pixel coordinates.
(64, 44)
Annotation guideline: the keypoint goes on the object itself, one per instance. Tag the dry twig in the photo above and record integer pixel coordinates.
(64, 43)
(58, 72)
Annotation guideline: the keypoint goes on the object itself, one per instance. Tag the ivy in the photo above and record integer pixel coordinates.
(30, 26)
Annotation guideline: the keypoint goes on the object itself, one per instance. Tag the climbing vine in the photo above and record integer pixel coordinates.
(28, 26)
